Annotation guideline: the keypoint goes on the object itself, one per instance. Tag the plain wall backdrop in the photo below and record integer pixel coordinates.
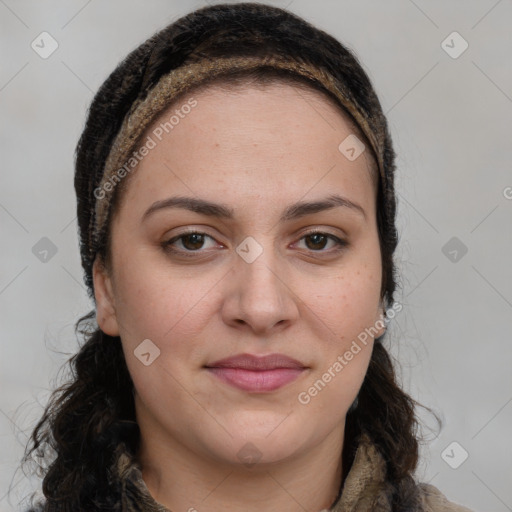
(450, 113)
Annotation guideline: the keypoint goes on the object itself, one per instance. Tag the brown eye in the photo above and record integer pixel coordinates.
(193, 241)
(317, 241)
(186, 243)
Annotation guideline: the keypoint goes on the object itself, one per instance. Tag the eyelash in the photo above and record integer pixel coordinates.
(167, 245)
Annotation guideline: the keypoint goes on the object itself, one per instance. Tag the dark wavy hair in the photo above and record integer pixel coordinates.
(85, 418)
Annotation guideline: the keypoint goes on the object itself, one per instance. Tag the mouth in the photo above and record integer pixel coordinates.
(257, 374)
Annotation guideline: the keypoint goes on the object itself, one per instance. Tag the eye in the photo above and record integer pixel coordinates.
(191, 241)
(316, 241)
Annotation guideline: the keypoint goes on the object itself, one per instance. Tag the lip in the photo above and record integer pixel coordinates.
(257, 373)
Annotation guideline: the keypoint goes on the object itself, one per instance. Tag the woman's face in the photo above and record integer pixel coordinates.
(256, 280)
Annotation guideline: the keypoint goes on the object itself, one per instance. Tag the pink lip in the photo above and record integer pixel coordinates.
(257, 373)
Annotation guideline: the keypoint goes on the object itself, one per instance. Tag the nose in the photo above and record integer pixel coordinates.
(260, 297)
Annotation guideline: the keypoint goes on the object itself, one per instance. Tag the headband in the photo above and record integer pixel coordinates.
(123, 158)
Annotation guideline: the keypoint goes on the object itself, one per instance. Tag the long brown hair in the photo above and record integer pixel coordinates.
(76, 437)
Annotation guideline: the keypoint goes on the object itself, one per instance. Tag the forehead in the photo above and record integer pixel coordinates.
(266, 141)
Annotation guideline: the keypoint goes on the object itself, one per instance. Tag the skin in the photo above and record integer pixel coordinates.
(257, 150)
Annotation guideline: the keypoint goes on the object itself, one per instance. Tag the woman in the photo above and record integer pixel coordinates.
(236, 209)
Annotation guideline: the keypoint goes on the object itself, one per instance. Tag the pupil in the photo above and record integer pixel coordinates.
(316, 238)
(196, 240)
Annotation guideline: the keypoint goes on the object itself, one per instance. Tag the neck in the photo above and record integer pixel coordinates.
(182, 479)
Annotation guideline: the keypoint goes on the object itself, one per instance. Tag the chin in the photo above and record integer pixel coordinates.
(260, 452)
(269, 439)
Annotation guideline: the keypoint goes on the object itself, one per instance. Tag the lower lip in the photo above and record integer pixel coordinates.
(257, 380)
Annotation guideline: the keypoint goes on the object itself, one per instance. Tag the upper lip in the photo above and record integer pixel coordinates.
(254, 362)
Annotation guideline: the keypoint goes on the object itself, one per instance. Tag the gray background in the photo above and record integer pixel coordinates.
(451, 121)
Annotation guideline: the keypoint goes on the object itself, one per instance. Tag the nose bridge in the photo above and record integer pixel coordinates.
(263, 299)
(257, 266)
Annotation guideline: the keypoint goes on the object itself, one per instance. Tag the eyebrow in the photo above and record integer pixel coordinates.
(222, 211)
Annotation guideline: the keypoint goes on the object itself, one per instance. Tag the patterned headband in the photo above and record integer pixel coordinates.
(123, 158)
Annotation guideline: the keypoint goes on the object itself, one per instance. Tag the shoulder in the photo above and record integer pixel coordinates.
(434, 500)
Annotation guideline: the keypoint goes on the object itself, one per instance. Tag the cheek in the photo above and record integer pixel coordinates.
(163, 304)
(332, 388)
(344, 318)
(171, 312)
(346, 301)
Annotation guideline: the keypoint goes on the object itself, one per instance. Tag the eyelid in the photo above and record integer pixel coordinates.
(340, 234)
